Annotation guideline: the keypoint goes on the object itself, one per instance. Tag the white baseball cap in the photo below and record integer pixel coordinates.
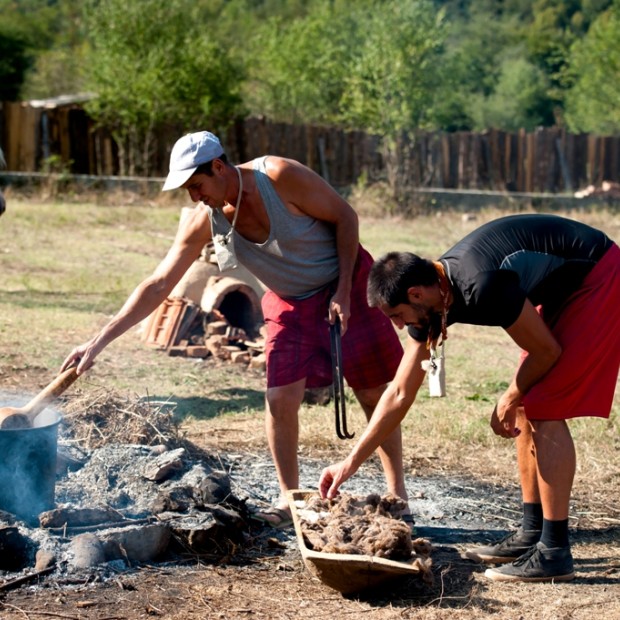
(188, 153)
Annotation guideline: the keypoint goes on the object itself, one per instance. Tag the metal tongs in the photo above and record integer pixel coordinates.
(334, 334)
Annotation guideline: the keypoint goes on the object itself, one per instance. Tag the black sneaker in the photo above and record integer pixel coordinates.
(507, 549)
(540, 563)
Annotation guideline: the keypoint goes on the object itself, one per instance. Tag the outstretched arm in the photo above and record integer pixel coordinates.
(531, 333)
(191, 237)
(388, 414)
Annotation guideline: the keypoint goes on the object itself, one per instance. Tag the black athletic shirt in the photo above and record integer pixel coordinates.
(543, 258)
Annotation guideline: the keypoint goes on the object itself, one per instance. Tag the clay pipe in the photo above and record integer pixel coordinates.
(23, 417)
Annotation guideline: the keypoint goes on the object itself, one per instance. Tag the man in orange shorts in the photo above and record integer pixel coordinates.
(297, 235)
(554, 285)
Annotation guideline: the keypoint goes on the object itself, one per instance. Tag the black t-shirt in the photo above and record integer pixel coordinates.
(543, 258)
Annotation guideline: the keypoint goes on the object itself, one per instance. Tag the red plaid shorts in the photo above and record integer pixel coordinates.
(298, 342)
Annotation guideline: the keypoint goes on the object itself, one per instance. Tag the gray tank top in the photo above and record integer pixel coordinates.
(299, 257)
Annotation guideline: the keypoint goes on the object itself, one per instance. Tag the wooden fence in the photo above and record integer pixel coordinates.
(547, 160)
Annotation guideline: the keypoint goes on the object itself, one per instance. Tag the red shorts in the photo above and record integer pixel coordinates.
(298, 342)
(583, 381)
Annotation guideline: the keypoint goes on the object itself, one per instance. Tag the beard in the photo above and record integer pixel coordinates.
(428, 321)
(425, 316)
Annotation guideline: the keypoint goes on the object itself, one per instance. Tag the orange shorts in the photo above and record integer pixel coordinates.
(583, 381)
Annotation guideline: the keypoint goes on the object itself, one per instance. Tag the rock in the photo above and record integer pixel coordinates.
(85, 551)
(158, 450)
(137, 543)
(164, 465)
(44, 559)
(214, 489)
(76, 517)
(216, 532)
(178, 499)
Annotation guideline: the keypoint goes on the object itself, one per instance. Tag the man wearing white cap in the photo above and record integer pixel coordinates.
(297, 235)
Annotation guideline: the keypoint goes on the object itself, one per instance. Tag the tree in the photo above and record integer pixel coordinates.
(151, 62)
(59, 64)
(393, 80)
(368, 65)
(300, 64)
(392, 77)
(519, 100)
(594, 75)
(24, 31)
(15, 60)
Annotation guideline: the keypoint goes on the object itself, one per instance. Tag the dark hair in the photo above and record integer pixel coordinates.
(207, 168)
(393, 274)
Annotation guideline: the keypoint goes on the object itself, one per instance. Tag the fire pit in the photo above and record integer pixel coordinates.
(112, 505)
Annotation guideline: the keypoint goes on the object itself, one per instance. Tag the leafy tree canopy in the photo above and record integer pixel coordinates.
(147, 72)
(380, 65)
(594, 70)
(367, 65)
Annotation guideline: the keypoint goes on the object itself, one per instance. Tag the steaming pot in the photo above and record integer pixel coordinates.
(28, 467)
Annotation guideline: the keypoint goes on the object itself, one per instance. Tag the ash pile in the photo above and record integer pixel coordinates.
(118, 505)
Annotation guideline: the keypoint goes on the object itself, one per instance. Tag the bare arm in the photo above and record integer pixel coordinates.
(191, 237)
(305, 191)
(531, 333)
(388, 414)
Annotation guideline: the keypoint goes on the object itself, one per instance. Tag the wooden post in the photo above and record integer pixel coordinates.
(12, 114)
(601, 159)
(565, 170)
(530, 156)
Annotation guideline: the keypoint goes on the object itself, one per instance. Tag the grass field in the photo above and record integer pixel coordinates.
(66, 267)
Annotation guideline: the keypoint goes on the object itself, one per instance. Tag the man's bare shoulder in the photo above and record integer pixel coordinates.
(195, 224)
(282, 168)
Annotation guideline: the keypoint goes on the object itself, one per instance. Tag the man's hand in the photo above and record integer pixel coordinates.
(83, 357)
(340, 309)
(504, 419)
(331, 479)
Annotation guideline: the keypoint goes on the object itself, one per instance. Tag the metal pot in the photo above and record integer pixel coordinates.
(28, 467)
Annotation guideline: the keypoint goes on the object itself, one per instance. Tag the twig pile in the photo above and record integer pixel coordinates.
(100, 418)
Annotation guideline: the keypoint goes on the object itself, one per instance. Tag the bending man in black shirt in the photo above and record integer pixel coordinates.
(554, 285)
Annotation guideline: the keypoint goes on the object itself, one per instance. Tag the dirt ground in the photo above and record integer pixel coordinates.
(268, 579)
